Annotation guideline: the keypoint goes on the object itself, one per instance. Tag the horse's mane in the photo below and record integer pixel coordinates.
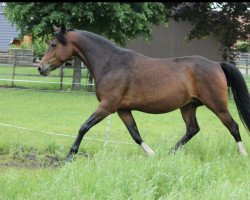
(101, 39)
(107, 42)
(59, 35)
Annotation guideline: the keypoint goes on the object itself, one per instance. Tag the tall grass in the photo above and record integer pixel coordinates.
(208, 167)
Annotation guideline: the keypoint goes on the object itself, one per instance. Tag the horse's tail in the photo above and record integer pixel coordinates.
(239, 88)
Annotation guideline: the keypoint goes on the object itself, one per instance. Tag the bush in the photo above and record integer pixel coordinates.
(243, 47)
(25, 46)
(40, 47)
(22, 46)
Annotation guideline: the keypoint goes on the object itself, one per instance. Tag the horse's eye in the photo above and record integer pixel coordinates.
(53, 45)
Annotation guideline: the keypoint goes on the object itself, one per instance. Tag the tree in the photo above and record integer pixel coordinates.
(227, 21)
(120, 22)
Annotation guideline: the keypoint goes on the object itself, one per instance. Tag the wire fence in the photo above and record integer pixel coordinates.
(106, 140)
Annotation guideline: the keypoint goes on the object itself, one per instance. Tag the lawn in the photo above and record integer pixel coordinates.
(32, 166)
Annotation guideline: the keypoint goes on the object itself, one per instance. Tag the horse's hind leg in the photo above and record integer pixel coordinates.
(127, 118)
(189, 116)
(233, 127)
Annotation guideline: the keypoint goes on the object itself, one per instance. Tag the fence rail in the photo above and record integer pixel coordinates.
(13, 66)
(6, 58)
(18, 58)
(243, 63)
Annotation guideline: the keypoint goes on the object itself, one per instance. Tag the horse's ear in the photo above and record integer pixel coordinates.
(63, 28)
(55, 28)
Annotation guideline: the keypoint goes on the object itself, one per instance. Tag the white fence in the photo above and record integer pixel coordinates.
(243, 63)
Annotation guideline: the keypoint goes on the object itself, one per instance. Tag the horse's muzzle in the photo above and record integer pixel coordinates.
(44, 70)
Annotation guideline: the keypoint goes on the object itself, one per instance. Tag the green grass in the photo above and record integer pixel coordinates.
(247, 78)
(208, 167)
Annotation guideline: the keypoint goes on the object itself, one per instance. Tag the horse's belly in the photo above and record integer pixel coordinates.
(156, 104)
(154, 109)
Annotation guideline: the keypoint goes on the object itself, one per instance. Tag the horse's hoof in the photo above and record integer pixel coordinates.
(147, 149)
(244, 154)
(172, 151)
(69, 158)
(150, 154)
(241, 149)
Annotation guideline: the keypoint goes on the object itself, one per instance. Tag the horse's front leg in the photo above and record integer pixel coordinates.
(95, 118)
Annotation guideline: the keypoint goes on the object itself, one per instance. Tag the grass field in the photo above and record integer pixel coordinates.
(208, 167)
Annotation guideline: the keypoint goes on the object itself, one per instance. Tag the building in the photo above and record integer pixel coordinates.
(8, 34)
(170, 42)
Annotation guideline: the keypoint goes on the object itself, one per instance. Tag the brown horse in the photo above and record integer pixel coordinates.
(126, 81)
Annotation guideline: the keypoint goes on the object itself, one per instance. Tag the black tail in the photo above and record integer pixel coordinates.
(239, 88)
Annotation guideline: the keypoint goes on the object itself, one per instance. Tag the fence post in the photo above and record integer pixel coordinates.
(247, 66)
(108, 130)
(61, 77)
(14, 69)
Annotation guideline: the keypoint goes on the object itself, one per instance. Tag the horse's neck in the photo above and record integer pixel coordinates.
(95, 55)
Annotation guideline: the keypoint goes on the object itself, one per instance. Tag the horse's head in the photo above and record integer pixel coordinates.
(59, 51)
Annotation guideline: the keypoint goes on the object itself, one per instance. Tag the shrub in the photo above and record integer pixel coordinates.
(40, 46)
(243, 47)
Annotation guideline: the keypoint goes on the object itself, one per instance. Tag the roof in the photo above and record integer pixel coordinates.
(7, 32)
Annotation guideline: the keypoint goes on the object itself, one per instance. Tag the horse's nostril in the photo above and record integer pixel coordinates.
(39, 69)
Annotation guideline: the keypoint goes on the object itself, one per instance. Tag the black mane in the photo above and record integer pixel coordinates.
(101, 39)
(59, 35)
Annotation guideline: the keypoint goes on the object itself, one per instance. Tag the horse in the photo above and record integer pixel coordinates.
(126, 80)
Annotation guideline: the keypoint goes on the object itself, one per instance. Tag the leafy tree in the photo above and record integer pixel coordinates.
(119, 22)
(227, 21)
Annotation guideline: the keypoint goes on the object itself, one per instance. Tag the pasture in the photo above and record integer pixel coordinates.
(32, 166)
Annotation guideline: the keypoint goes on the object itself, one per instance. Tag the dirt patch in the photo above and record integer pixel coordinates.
(27, 165)
(33, 160)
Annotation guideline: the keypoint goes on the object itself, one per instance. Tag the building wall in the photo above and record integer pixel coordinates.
(170, 42)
